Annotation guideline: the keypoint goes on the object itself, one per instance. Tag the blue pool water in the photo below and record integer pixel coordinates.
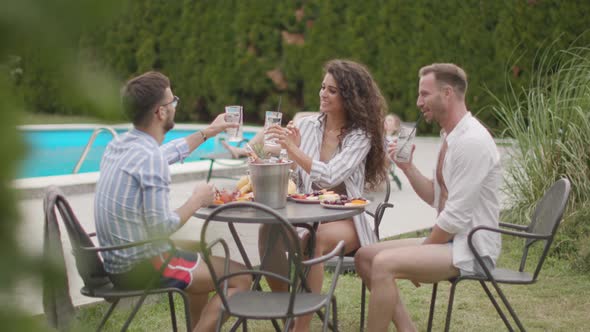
(56, 152)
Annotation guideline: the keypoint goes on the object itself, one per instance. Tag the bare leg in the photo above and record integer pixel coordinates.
(327, 237)
(276, 260)
(204, 313)
(236, 152)
(363, 259)
(423, 263)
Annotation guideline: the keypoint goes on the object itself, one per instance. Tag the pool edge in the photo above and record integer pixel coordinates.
(84, 183)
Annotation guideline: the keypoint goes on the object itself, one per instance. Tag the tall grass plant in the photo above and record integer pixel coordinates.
(549, 121)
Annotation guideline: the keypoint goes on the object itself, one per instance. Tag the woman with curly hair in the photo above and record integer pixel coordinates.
(340, 149)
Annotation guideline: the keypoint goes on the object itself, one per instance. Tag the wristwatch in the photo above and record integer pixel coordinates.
(203, 135)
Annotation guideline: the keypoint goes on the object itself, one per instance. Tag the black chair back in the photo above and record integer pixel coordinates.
(546, 219)
(282, 231)
(89, 264)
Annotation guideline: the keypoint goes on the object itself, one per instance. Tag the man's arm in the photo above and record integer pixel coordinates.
(197, 138)
(438, 236)
(422, 185)
(203, 194)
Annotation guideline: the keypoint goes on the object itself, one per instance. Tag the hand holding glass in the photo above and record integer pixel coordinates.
(405, 140)
(272, 118)
(233, 114)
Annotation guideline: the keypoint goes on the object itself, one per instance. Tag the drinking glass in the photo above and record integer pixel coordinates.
(233, 114)
(405, 140)
(271, 118)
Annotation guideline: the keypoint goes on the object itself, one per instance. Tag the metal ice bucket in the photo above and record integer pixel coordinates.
(270, 183)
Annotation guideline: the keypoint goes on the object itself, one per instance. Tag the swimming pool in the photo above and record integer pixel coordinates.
(56, 151)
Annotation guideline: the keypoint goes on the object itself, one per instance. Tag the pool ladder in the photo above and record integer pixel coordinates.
(89, 145)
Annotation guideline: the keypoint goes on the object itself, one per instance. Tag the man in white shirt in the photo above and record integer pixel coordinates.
(464, 190)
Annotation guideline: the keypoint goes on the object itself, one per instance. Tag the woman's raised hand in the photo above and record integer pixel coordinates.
(287, 137)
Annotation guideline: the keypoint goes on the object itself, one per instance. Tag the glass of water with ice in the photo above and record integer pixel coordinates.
(272, 118)
(233, 114)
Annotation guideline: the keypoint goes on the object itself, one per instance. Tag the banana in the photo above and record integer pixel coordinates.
(247, 188)
(242, 182)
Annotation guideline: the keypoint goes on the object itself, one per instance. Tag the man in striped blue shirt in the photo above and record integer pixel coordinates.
(132, 200)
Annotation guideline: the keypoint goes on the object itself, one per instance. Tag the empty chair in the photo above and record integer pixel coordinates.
(258, 304)
(543, 227)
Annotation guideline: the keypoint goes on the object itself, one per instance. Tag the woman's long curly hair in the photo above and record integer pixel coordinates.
(365, 109)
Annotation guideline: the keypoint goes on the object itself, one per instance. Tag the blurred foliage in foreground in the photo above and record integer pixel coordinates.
(550, 121)
(251, 52)
(49, 30)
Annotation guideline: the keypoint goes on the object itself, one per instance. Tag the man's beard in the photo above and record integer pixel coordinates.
(168, 125)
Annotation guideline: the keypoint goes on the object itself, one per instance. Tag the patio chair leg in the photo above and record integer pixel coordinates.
(134, 311)
(363, 297)
(172, 311)
(432, 304)
(334, 315)
(495, 303)
(326, 318)
(210, 170)
(187, 313)
(450, 307)
(508, 306)
(107, 315)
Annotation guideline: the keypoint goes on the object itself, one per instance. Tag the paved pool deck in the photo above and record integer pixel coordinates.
(409, 214)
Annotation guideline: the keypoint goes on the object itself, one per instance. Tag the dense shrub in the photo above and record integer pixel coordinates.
(252, 52)
(549, 119)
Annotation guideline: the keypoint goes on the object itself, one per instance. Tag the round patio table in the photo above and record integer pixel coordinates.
(295, 213)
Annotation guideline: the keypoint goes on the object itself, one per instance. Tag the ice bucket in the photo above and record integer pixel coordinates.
(270, 183)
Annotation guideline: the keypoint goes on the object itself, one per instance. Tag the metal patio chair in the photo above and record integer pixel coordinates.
(543, 227)
(91, 269)
(258, 304)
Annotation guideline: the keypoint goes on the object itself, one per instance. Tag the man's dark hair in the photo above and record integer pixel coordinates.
(142, 94)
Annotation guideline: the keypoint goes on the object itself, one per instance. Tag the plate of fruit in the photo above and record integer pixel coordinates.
(224, 196)
(335, 201)
(311, 198)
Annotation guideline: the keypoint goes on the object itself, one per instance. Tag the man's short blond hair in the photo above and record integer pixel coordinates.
(447, 73)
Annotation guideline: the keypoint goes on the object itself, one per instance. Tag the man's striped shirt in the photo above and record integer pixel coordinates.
(132, 197)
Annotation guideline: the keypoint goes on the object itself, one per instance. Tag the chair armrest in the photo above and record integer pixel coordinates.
(478, 257)
(526, 235)
(129, 245)
(514, 226)
(381, 210)
(339, 249)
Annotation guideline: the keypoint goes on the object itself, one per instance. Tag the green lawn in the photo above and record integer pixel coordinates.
(559, 301)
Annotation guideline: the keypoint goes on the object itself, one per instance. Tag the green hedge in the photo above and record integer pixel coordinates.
(219, 52)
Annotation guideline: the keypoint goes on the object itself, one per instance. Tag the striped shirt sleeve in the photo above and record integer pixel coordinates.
(155, 181)
(175, 151)
(355, 148)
